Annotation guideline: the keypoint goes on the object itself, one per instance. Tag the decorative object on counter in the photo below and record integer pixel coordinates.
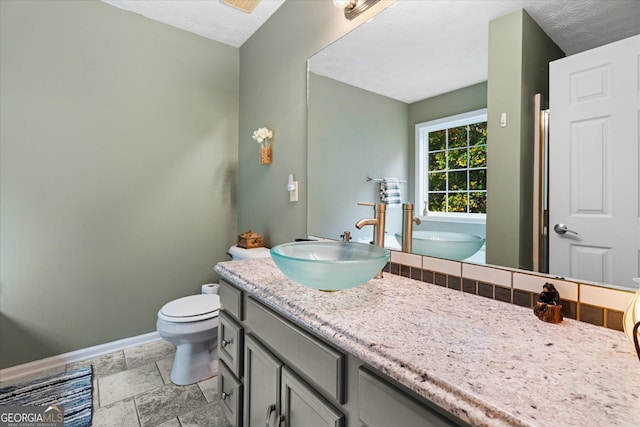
(631, 319)
(263, 136)
(250, 240)
(548, 307)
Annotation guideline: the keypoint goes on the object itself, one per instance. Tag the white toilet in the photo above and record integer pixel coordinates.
(191, 324)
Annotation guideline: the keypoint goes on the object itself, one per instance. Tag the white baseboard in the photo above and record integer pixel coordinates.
(8, 374)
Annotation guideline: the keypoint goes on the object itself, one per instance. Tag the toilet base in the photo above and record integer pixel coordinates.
(194, 362)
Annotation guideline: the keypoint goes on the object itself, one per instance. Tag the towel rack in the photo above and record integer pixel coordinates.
(382, 179)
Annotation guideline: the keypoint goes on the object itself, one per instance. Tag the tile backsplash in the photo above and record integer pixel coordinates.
(589, 303)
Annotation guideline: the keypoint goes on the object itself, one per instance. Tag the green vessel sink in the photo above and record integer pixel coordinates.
(329, 266)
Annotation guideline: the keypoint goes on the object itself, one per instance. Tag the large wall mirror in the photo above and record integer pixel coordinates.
(416, 62)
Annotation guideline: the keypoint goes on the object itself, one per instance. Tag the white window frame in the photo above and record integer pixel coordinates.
(421, 151)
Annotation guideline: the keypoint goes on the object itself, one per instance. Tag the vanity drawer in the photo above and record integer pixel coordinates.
(231, 299)
(310, 357)
(230, 343)
(230, 394)
(381, 404)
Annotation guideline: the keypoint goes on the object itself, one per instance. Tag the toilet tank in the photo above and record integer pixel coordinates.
(238, 253)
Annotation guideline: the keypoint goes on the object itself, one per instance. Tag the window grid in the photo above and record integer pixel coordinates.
(450, 189)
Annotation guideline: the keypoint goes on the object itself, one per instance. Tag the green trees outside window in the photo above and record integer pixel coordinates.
(457, 169)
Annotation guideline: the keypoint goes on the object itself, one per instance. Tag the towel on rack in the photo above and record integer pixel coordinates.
(390, 192)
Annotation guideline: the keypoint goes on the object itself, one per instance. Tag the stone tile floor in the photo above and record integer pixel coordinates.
(132, 388)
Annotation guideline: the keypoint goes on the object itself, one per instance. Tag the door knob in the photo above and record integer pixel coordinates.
(562, 229)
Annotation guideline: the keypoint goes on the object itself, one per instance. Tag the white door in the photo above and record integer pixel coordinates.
(594, 102)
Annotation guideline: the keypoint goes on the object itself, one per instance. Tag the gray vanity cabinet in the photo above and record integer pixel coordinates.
(230, 343)
(382, 405)
(285, 376)
(301, 405)
(317, 362)
(276, 396)
(230, 394)
(230, 352)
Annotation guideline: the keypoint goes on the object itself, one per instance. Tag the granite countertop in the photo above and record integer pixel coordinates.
(489, 363)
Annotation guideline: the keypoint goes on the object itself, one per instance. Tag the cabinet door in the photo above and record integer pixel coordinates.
(315, 360)
(262, 383)
(230, 392)
(304, 407)
(230, 343)
(382, 405)
(231, 299)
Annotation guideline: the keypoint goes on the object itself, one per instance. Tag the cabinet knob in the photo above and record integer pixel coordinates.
(224, 396)
(226, 343)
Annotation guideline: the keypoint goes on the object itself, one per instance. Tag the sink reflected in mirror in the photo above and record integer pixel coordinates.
(329, 266)
(442, 244)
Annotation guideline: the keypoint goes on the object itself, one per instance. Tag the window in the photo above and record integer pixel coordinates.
(451, 166)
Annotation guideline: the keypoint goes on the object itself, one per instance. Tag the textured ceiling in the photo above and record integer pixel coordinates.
(428, 47)
(431, 47)
(208, 18)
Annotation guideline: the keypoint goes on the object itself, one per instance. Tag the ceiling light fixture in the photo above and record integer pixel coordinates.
(353, 8)
(243, 5)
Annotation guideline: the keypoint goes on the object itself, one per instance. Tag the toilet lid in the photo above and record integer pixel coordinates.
(191, 308)
(238, 253)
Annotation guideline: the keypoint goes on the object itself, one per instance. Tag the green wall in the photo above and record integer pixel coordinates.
(519, 55)
(118, 150)
(273, 93)
(121, 139)
(353, 133)
(538, 52)
(459, 101)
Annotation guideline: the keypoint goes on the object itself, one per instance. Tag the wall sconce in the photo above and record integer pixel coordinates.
(353, 8)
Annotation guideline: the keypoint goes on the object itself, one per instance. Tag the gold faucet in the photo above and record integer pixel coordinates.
(378, 222)
(407, 226)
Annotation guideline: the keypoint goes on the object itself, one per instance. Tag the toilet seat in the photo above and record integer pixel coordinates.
(191, 309)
